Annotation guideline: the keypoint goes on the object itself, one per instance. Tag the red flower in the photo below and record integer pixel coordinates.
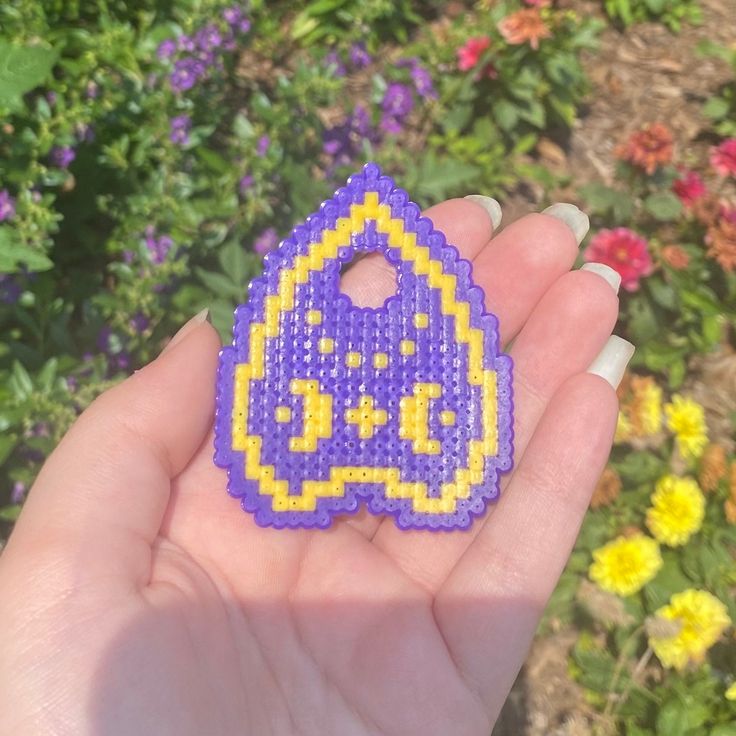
(469, 55)
(648, 148)
(689, 187)
(723, 157)
(624, 251)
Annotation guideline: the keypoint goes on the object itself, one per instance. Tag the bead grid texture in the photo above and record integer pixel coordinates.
(322, 405)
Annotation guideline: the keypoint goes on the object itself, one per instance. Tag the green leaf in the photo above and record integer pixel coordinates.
(672, 719)
(47, 374)
(237, 263)
(663, 205)
(21, 69)
(506, 114)
(219, 284)
(640, 467)
(716, 108)
(440, 177)
(7, 443)
(669, 580)
(10, 513)
(20, 381)
(14, 254)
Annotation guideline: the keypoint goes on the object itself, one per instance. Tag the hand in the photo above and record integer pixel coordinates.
(137, 598)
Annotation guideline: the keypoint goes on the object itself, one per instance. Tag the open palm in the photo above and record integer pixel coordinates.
(137, 598)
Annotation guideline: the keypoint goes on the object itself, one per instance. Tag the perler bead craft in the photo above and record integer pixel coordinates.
(322, 405)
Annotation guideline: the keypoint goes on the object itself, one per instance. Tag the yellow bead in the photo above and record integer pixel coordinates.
(380, 360)
(283, 414)
(407, 347)
(314, 317)
(447, 418)
(353, 360)
(421, 320)
(326, 345)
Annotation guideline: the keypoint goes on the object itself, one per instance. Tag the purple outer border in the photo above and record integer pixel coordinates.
(369, 180)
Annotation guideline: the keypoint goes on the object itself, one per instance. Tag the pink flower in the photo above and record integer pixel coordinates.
(624, 251)
(723, 157)
(469, 55)
(689, 187)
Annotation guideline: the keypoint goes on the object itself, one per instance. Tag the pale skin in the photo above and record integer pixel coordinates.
(136, 597)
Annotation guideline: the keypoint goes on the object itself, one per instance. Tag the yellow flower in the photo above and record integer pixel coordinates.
(686, 418)
(677, 510)
(702, 617)
(731, 692)
(645, 410)
(625, 565)
(623, 427)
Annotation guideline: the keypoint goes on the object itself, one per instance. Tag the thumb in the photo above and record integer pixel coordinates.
(99, 500)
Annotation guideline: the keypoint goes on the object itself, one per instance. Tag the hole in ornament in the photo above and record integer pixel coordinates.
(368, 280)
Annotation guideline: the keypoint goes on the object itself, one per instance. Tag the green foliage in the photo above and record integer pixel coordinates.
(673, 13)
(721, 108)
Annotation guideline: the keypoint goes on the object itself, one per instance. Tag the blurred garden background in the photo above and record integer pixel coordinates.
(152, 151)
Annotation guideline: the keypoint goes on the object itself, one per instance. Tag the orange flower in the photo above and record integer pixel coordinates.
(730, 506)
(721, 240)
(524, 25)
(607, 490)
(675, 257)
(648, 148)
(713, 466)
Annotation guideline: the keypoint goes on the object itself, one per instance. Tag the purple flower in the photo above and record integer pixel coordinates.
(263, 143)
(344, 142)
(10, 289)
(85, 132)
(72, 384)
(244, 25)
(397, 103)
(186, 74)
(208, 38)
(423, 82)
(18, 493)
(184, 43)
(232, 15)
(51, 98)
(7, 205)
(180, 126)
(92, 90)
(166, 48)
(359, 56)
(266, 241)
(245, 183)
(158, 247)
(62, 156)
(139, 322)
(332, 59)
(128, 256)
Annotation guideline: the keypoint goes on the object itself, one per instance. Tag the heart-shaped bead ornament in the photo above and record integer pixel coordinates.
(323, 405)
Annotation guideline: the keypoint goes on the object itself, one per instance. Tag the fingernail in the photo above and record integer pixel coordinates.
(194, 322)
(572, 216)
(612, 360)
(490, 205)
(612, 276)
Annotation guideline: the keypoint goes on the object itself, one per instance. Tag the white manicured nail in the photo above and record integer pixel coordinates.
(572, 216)
(612, 276)
(612, 360)
(490, 205)
(194, 322)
